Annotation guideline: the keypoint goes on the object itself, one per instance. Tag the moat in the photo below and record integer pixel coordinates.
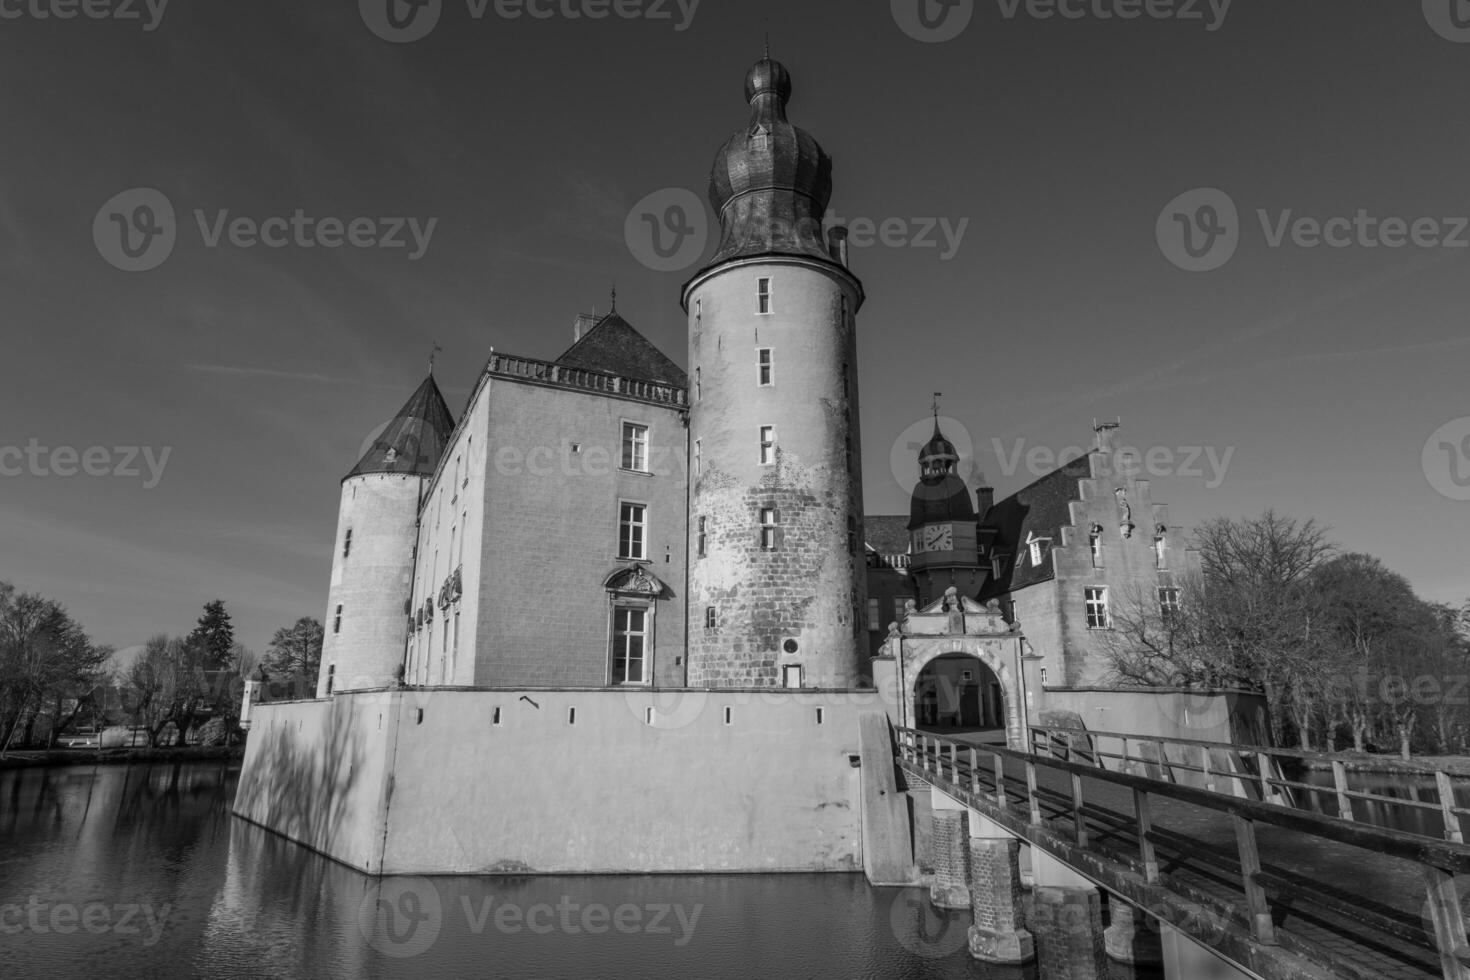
(142, 871)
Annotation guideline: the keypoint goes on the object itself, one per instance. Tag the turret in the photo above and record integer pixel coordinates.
(776, 581)
(942, 524)
(372, 563)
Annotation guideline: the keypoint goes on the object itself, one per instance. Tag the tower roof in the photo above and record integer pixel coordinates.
(612, 344)
(415, 438)
(771, 181)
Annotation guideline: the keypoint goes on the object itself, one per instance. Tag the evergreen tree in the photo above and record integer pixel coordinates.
(214, 637)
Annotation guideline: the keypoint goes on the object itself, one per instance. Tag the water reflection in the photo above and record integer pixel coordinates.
(94, 856)
(1426, 821)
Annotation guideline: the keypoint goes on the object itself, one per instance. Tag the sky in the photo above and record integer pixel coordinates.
(1057, 219)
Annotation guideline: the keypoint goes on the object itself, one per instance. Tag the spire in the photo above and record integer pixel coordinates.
(436, 350)
(414, 439)
(614, 300)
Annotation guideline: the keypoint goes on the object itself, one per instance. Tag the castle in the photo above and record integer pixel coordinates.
(623, 588)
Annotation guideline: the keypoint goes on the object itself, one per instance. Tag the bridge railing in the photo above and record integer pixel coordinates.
(1061, 742)
(940, 760)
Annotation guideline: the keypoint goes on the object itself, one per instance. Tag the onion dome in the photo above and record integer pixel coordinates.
(771, 182)
(415, 438)
(941, 495)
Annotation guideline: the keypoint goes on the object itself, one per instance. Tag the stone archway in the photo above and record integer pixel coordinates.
(920, 652)
(958, 692)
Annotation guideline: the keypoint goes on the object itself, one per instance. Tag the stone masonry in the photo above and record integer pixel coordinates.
(1067, 923)
(998, 935)
(950, 887)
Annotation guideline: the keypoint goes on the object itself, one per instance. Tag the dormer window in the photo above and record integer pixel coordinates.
(1036, 545)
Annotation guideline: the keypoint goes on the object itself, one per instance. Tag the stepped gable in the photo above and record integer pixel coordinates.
(614, 346)
(414, 440)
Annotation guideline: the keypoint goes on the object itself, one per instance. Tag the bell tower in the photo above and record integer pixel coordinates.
(942, 524)
(777, 586)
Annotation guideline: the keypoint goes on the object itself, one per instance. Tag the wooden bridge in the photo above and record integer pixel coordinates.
(1206, 863)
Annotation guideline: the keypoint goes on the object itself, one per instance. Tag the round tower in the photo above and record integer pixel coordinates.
(777, 587)
(372, 564)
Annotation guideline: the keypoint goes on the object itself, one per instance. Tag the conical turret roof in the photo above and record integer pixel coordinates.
(415, 438)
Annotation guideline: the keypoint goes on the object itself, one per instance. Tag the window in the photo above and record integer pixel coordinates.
(852, 541)
(763, 295)
(791, 675)
(698, 385)
(763, 366)
(1161, 550)
(633, 531)
(709, 617)
(768, 445)
(1097, 609)
(898, 609)
(630, 638)
(635, 447)
(1169, 603)
(875, 614)
(698, 456)
(700, 540)
(768, 529)
(1094, 541)
(347, 543)
(1043, 676)
(1036, 553)
(844, 379)
(331, 677)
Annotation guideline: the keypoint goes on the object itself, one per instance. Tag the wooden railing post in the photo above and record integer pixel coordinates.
(1447, 807)
(1264, 762)
(1000, 781)
(1339, 782)
(1078, 825)
(1449, 922)
(1123, 763)
(1145, 813)
(1032, 802)
(1204, 752)
(974, 770)
(1258, 909)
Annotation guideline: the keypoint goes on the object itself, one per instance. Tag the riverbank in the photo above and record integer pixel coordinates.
(27, 758)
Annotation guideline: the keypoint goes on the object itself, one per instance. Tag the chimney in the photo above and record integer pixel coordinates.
(986, 497)
(1104, 432)
(584, 323)
(837, 244)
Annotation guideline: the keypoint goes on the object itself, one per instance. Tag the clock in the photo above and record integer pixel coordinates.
(939, 537)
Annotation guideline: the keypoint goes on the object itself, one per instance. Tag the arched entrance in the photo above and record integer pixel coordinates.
(958, 692)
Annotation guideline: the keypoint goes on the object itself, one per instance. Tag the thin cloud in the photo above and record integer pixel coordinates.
(236, 371)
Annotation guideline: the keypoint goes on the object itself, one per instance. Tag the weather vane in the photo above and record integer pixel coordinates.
(436, 350)
(937, 396)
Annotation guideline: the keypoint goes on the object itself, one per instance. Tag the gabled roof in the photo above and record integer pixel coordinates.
(887, 535)
(414, 440)
(611, 344)
(1040, 509)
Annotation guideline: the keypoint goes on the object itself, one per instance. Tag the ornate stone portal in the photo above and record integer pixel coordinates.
(952, 624)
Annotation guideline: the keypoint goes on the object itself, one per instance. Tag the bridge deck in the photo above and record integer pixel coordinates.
(1358, 913)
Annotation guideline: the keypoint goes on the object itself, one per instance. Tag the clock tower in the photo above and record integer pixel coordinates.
(942, 525)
